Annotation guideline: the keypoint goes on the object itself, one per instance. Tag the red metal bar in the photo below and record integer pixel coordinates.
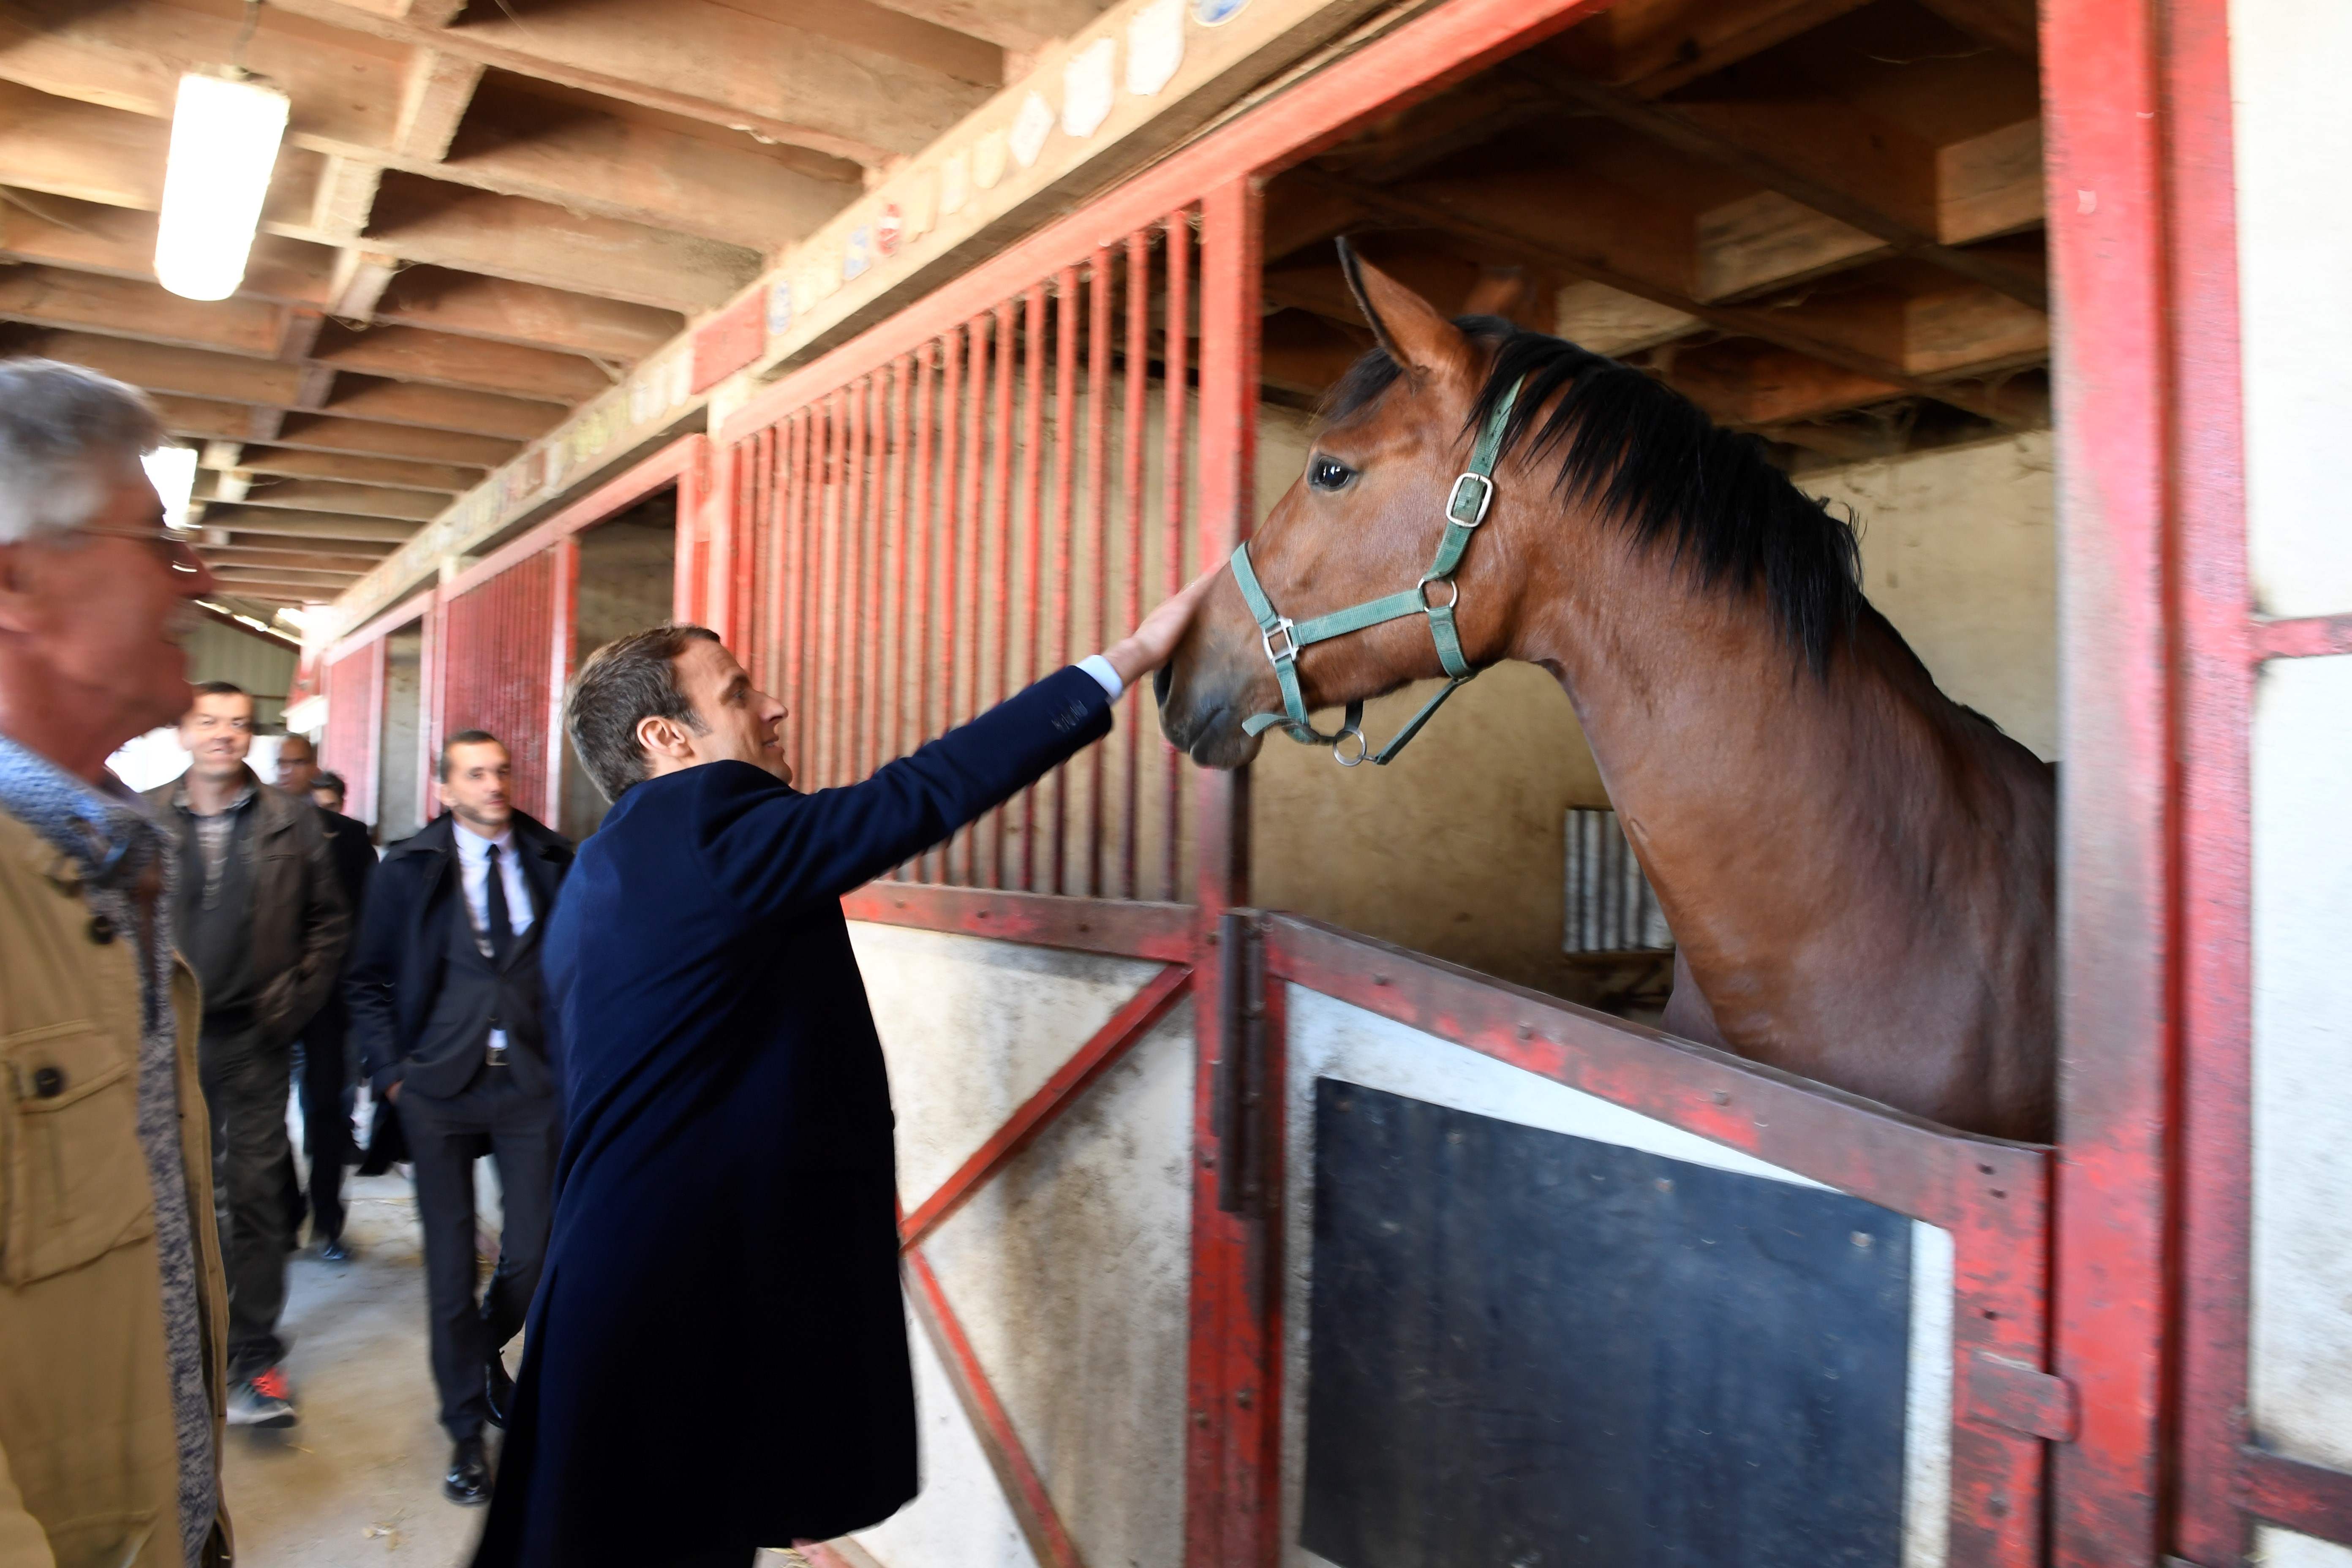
(1231, 273)
(1137, 1017)
(857, 514)
(563, 655)
(941, 643)
(1177, 381)
(742, 558)
(916, 634)
(972, 527)
(2313, 637)
(1063, 525)
(798, 559)
(1020, 655)
(1139, 371)
(2118, 948)
(825, 667)
(997, 575)
(1025, 1493)
(869, 644)
(1098, 336)
(889, 648)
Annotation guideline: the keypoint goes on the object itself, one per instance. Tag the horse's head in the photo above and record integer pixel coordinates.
(1360, 524)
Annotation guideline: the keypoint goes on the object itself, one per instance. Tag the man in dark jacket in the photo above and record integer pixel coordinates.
(444, 993)
(728, 1170)
(260, 918)
(325, 1073)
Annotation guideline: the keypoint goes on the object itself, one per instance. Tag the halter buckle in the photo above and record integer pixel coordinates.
(1288, 630)
(1469, 510)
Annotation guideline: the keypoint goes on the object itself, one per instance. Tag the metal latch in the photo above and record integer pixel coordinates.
(2020, 1396)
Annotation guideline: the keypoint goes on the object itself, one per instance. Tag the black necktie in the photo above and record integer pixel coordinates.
(494, 904)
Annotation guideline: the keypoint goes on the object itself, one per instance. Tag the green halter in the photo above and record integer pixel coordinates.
(1465, 509)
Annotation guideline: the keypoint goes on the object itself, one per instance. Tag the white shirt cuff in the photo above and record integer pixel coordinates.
(1107, 677)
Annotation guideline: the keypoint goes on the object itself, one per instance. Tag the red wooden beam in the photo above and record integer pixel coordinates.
(624, 490)
(2310, 1499)
(1117, 926)
(1024, 1492)
(2313, 636)
(1137, 1017)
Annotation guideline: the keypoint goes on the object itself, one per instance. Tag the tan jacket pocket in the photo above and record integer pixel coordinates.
(77, 1181)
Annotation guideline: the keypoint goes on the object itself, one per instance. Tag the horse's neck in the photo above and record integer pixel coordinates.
(1772, 807)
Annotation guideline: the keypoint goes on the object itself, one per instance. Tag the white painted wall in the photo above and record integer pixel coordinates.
(2294, 139)
(1330, 1038)
(2276, 1548)
(1070, 1271)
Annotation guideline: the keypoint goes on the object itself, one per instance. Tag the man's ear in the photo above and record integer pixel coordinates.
(664, 738)
(1408, 326)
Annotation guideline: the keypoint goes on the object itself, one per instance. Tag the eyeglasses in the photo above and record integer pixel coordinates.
(172, 549)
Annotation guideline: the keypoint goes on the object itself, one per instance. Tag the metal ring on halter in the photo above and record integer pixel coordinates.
(1363, 748)
(1449, 582)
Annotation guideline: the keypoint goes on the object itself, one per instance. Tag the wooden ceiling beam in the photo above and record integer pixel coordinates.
(2009, 25)
(727, 65)
(365, 439)
(470, 305)
(262, 559)
(441, 407)
(1498, 232)
(1827, 156)
(414, 355)
(119, 242)
(94, 154)
(534, 242)
(436, 92)
(54, 297)
(1654, 47)
(384, 471)
(280, 523)
(320, 495)
(1022, 24)
(203, 420)
(160, 367)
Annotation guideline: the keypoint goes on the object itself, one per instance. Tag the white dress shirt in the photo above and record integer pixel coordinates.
(474, 873)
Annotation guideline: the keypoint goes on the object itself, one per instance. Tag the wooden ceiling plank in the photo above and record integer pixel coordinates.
(385, 472)
(551, 150)
(708, 61)
(442, 407)
(112, 156)
(434, 92)
(276, 561)
(1653, 47)
(1825, 155)
(412, 353)
(1023, 24)
(281, 523)
(2009, 25)
(53, 297)
(119, 242)
(501, 309)
(366, 438)
(160, 367)
(535, 242)
(201, 418)
(320, 495)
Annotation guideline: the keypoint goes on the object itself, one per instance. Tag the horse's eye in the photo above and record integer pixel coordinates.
(1328, 474)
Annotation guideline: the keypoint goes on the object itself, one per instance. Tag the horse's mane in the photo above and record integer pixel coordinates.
(1646, 456)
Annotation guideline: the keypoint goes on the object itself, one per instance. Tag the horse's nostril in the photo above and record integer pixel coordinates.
(1159, 680)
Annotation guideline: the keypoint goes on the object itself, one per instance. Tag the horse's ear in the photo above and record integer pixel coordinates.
(1408, 326)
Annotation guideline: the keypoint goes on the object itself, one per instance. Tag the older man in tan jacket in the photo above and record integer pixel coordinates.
(112, 1314)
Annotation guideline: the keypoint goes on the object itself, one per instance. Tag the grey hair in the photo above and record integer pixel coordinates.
(61, 427)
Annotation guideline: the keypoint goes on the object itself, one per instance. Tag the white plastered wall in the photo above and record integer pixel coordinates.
(2293, 137)
(1070, 1271)
(1458, 848)
(1330, 1038)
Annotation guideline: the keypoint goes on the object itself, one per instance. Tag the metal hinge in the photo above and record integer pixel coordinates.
(2020, 1396)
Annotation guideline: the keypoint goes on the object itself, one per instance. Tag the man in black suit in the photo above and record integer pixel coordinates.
(325, 1069)
(444, 992)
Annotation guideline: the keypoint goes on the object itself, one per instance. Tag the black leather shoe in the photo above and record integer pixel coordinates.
(468, 1480)
(498, 1387)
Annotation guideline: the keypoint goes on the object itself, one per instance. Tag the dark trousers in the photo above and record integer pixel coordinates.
(326, 1121)
(444, 1138)
(244, 1086)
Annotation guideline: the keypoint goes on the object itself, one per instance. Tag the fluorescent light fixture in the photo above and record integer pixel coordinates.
(173, 471)
(224, 137)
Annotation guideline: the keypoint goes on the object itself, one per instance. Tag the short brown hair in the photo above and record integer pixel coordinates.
(464, 738)
(627, 680)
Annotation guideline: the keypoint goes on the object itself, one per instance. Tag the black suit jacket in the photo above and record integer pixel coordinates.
(396, 971)
(354, 857)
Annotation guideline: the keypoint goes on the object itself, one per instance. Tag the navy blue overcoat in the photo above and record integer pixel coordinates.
(717, 1357)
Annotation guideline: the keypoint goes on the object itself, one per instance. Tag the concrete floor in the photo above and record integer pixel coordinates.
(357, 1484)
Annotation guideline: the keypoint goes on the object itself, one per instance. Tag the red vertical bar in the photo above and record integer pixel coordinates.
(1098, 335)
(1020, 666)
(1139, 371)
(1234, 1461)
(826, 672)
(894, 619)
(771, 525)
(970, 552)
(2120, 941)
(869, 619)
(742, 556)
(951, 531)
(564, 654)
(1064, 524)
(915, 633)
(1172, 512)
(998, 579)
(795, 591)
(858, 477)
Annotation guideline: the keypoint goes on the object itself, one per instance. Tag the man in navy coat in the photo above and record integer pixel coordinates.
(717, 1358)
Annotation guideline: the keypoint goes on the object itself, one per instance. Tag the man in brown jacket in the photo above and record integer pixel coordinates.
(113, 1309)
(259, 913)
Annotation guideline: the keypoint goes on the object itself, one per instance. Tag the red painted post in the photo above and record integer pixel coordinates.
(950, 548)
(798, 559)
(1064, 526)
(824, 667)
(564, 656)
(858, 479)
(1098, 336)
(1139, 371)
(1021, 653)
(889, 634)
(2118, 876)
(1174, 416)
(922, 510)
(997, 582)
(870, 640)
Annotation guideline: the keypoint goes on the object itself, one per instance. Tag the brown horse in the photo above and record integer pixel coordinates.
(1859, 872)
